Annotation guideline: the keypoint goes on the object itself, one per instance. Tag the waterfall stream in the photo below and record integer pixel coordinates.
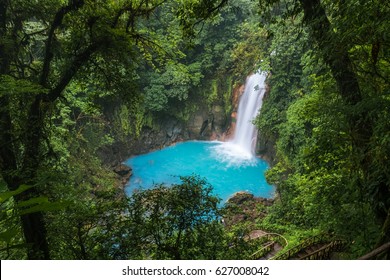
(241, 149)
(228, 166)
(250, 103)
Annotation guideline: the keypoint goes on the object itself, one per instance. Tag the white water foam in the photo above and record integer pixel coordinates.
(240, 151)
(232, 155)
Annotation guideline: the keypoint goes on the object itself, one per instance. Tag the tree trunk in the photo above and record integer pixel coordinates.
(335, 54)
(12, 172)
(378, 251)
(385, 237)
(33, 224)
(17, 171)
(34, 230)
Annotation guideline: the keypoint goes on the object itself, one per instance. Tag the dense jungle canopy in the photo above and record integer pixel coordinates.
(80, 76)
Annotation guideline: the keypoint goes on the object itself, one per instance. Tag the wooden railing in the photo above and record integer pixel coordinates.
(325, 251)
(269, 240)
(272, 239)
(268, 247)
(322, 238)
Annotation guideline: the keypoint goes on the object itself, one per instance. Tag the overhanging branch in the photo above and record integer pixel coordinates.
(72, 6)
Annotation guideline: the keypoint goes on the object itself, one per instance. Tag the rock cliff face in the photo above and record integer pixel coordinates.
(167, 131)
(208, 123)
(237, 92)
(265, 148)
(210, 110)
(205, 123)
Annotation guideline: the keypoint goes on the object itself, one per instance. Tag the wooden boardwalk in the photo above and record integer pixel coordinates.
(318, 247)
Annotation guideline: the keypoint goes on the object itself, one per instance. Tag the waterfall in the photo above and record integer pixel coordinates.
(245, 134)
(241, 149)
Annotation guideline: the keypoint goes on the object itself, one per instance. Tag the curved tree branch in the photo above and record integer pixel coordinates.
(58, 18)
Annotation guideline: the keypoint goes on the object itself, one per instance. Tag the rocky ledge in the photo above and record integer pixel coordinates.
(245, 207)
(124, 173)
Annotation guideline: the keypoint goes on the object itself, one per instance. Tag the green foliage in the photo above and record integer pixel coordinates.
(248, 53)
(19, 87)
(182, 221)
(174, 83)
(286, 75)
(77, 76)
(177, 222)
(86, 228)
(201, 68)
(129, 120)
(322, 174)
(12, 244)
(213, 95)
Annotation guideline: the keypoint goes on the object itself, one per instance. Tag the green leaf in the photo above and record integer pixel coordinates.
(7, 235)
(10, 85)
(17, 246)
(6, 195)
(45, 207)
(33, 201)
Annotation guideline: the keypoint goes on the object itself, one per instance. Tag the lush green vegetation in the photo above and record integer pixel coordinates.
(327, 113)
(77, 76)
